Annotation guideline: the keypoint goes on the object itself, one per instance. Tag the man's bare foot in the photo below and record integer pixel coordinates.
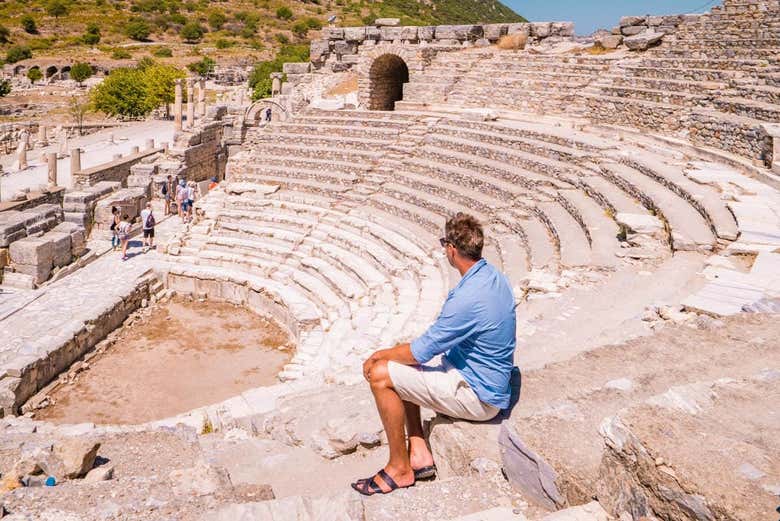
(385, 481)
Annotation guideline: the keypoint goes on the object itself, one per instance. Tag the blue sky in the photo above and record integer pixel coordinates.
(589, 15)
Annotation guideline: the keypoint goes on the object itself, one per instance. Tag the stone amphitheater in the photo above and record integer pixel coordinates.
(632, 198)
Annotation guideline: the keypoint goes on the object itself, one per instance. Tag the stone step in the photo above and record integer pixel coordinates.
(601, 229)
(683, 219)
(619, 200)
(707, 458)
(573, 243)
(261, 173)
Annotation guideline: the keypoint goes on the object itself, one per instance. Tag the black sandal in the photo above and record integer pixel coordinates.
(425, 473)
(369, 486)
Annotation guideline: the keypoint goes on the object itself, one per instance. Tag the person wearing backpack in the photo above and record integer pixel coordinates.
(116, 218)
(148, 222)
(167, 192)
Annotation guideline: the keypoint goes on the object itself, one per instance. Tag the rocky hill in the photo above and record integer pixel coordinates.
(233, 30)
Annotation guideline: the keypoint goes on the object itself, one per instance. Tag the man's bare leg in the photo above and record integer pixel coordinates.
(419, 454)
(391, 411)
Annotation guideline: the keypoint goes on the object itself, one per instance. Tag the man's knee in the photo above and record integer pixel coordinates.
(379, 376)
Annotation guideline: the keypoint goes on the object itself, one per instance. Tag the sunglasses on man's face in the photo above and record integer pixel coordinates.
(444, 242)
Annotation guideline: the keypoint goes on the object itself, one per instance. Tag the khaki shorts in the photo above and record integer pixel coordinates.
(441, 388)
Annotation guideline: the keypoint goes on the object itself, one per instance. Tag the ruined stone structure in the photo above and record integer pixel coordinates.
(628, 197)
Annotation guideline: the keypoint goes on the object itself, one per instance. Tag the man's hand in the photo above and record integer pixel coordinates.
(369, 363)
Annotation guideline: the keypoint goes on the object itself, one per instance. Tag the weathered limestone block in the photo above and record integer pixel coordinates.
(77, 456)
(609, 41)
(632, 20)
(333, 33)
(643, 40)
(495, 31)
(562, 29)
(351, 59)
(521, 28)
(631, 30)
(346, 506)
(78, 242)
(640, 223)
(456, 443)
(459, 32)
(372, 34)
(425, 33)
(540, 29)
(32, 251)
(297, 67)
(201, 480)
(318, 50)
(354, 34)
(62, 248)
(5, 259)
(387, 22)
(390, 33)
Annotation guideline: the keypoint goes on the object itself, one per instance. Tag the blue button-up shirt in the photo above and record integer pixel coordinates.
(476, 329)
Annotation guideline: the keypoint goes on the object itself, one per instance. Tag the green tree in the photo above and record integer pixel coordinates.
(80, 72)
(5, 34)
(192, 32)
(216, 20)
(28, 24)
(92, 34)
(138, 30)
(18, 53)
(159, 82)
(203, 67)
(56, 8)
(5, 88)
(34, 74)
(284, 13)
(122, 93)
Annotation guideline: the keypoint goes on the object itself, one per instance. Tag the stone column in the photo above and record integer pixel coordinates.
(773, 129)
(177, 105)
(43, 140)
(63, 143)
(202, 98)
(75, 160)
(117, 157)
(134, 150)
(21, 156)
(190, 102)
(150, 144)
(51, 162)
(276, 83)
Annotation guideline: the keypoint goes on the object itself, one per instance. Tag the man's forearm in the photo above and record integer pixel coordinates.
(402, 353)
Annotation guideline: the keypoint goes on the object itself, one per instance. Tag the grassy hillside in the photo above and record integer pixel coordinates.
(238, 31)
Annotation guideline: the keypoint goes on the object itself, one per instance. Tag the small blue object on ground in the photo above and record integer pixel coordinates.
(51, 481)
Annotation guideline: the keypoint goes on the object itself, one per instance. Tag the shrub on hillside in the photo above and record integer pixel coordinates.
(300, 29)
(40, 44)
(5, 88)
(18, 53)
(202, 67)
(28, 24)
(92, 34)
(192, 32)
(163, 52)
(56, 8)
(5, 34)
(138, 30)
(313, 23)
(282, 38)
(284, 13)
(144, 63)
(224, 43)
(121, 54)
(216, 20)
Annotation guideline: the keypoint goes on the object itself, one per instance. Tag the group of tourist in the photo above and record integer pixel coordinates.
(121, 226)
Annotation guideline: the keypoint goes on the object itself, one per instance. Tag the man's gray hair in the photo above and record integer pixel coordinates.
(465, 233)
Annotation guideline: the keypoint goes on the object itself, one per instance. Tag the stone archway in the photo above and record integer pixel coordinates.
(387, 76)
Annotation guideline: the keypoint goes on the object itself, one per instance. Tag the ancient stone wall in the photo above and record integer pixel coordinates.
(117, 170)
(340, 47)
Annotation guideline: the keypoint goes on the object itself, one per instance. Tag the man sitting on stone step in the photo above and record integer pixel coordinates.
(475, 333)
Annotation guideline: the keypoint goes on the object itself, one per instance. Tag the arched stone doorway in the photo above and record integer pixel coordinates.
(387, 76)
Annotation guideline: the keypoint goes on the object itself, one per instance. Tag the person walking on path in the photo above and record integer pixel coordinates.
(148, 223)
(190, 193)
(475, 333)
(123, 229)
(115, 219)
(168, 188)
(181, 198)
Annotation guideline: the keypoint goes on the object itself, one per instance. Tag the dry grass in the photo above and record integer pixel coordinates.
(513, 42)
(596, 50)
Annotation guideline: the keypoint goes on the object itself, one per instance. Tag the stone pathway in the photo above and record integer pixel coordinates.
(97, 149)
